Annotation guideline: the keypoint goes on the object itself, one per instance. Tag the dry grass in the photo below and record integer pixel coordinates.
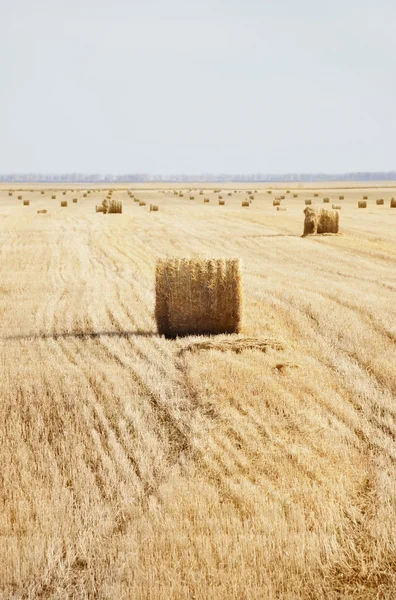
(139, 467)
(198, 296)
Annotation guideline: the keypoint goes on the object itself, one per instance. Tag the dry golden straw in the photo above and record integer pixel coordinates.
(336, 207)
(362, 204)
(100, 208)
(320, 220)
(198, 296)
(232, 344)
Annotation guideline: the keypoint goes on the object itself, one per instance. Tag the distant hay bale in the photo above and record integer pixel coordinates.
(84, 195)
(10, 193)
(393, 203)
(142, 203)
(365, 197)
(175, 192)
(326, 200)
(201, 192)
(287, 191)
(63, 203)
(336, 207)
(341, 197)
(64, 193)
(249, 192)
(282, 197)
(221, 202)
(217, 191)
(198, 296)
(136, 200)
(191, 197)
(26, 202)
(320, 220)
(276, 202)
(41, 192)
(220, 197)
(379, 202)
(316, 195)
(206, 200)
(181, 195)
(75, 200)
(153, 207)
(245, 203)
(295, 195)
(282, 208)
(251, 197)
(229, 194)
(362, 204)
(307, 202)
(115, 207)
(53, 197)
(19, 197)
(42, 211)
(100, 208)
(269, 191)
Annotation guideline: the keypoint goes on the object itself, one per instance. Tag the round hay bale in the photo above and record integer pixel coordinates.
(245, 203)
(206, 200)
(251, 197)
(393, 203)
(10, 193)
(220, 197)
(198, 296)
(175, 192)
(287, 191)
(316, 195)
(75, 200)
(269, 191)
(365, 197)
(53, 197)
(295, 195)
(191, 197)
(320, 220)
(229, 194)
(41, 192)
(201, 192)
(64, 193)
(84, 195)
(115, 207)
(282, 197)
(181, 195)
(153, 207)
(379, 202)
(142, 203)
(26, 202)
(221, 202)
(42, 211)
(308, 202)
(362, 204)
(336, 207)
(276, 202)
(100, 208)
(63, 203)
(282, 208)
(217, 191)
(341, 197)
(19, 197)
(326, 200)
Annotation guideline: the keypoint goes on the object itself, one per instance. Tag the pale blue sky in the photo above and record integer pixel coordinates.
(236, 86)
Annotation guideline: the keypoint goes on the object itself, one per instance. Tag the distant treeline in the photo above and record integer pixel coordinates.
(206, 177)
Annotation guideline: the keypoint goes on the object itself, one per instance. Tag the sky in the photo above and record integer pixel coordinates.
(210, 86)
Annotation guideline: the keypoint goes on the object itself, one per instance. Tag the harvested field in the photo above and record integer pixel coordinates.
(258, 465)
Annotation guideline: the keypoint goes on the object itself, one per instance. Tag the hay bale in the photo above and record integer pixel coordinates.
(84, 195)
(221, 202)
(206, 200)
(75, 200)
(201, 192)
(269, 191)
(115, 207)
(142, 203)
(217, 191)
(287, 191)
(320, 220)
(251, 197)
(42, 192)
(53, 197)
(153, 207)
(245, 203)
(379, 202)
(362, 204)
(336, 207)
(295, 195)
(316, 195)
(198, 296)
(308, 202)
(19, 197)
(282, 208)
(64, 193)
(365, 197)
(26, 202)
(229, 194)
(10, 193)
(326, 200)
(393, 203)
(63, 203)
(282, 197)
(341, 197)
(220, 197)
(100, 208)
(276, 202)
(181, 195)
(42, 211)
(191, 197)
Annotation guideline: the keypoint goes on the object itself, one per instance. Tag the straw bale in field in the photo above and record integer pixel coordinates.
(251, 197)
(379, 202)
(316, 195)
(217, 191)
(362, 204)
(245, 203)
(283, 208)
(336, 207)
(295, 195)
(63, 203)
(10, 193)
(320, 220)
(365, 197)
(53, 197)
(191, 197)
(19, 197)
(26, 202)
(153, 207)
(206, 200)
(276, 202)
(341, 197)
(201, 192)
(198, 296)
(42, 211)
(75, 200)
(307, 202)
(42, 192)
(221, 202)
(326, 200)
(269, 191)
(115, 206)
(100, 208)
(393, 203)
(142, 203)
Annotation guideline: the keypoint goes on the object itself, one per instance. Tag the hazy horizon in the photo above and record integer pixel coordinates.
(219, 87)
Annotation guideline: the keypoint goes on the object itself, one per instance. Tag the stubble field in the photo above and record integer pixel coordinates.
(133, 466)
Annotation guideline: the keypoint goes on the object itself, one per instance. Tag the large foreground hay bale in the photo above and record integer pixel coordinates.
(393, 203)
(26, 202)
(198, 296)
(379, 202)
(320, 220)
(63, 203)
(362, 204)
(115, 206)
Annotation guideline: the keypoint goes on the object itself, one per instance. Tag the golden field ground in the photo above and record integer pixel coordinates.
(135, 467)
